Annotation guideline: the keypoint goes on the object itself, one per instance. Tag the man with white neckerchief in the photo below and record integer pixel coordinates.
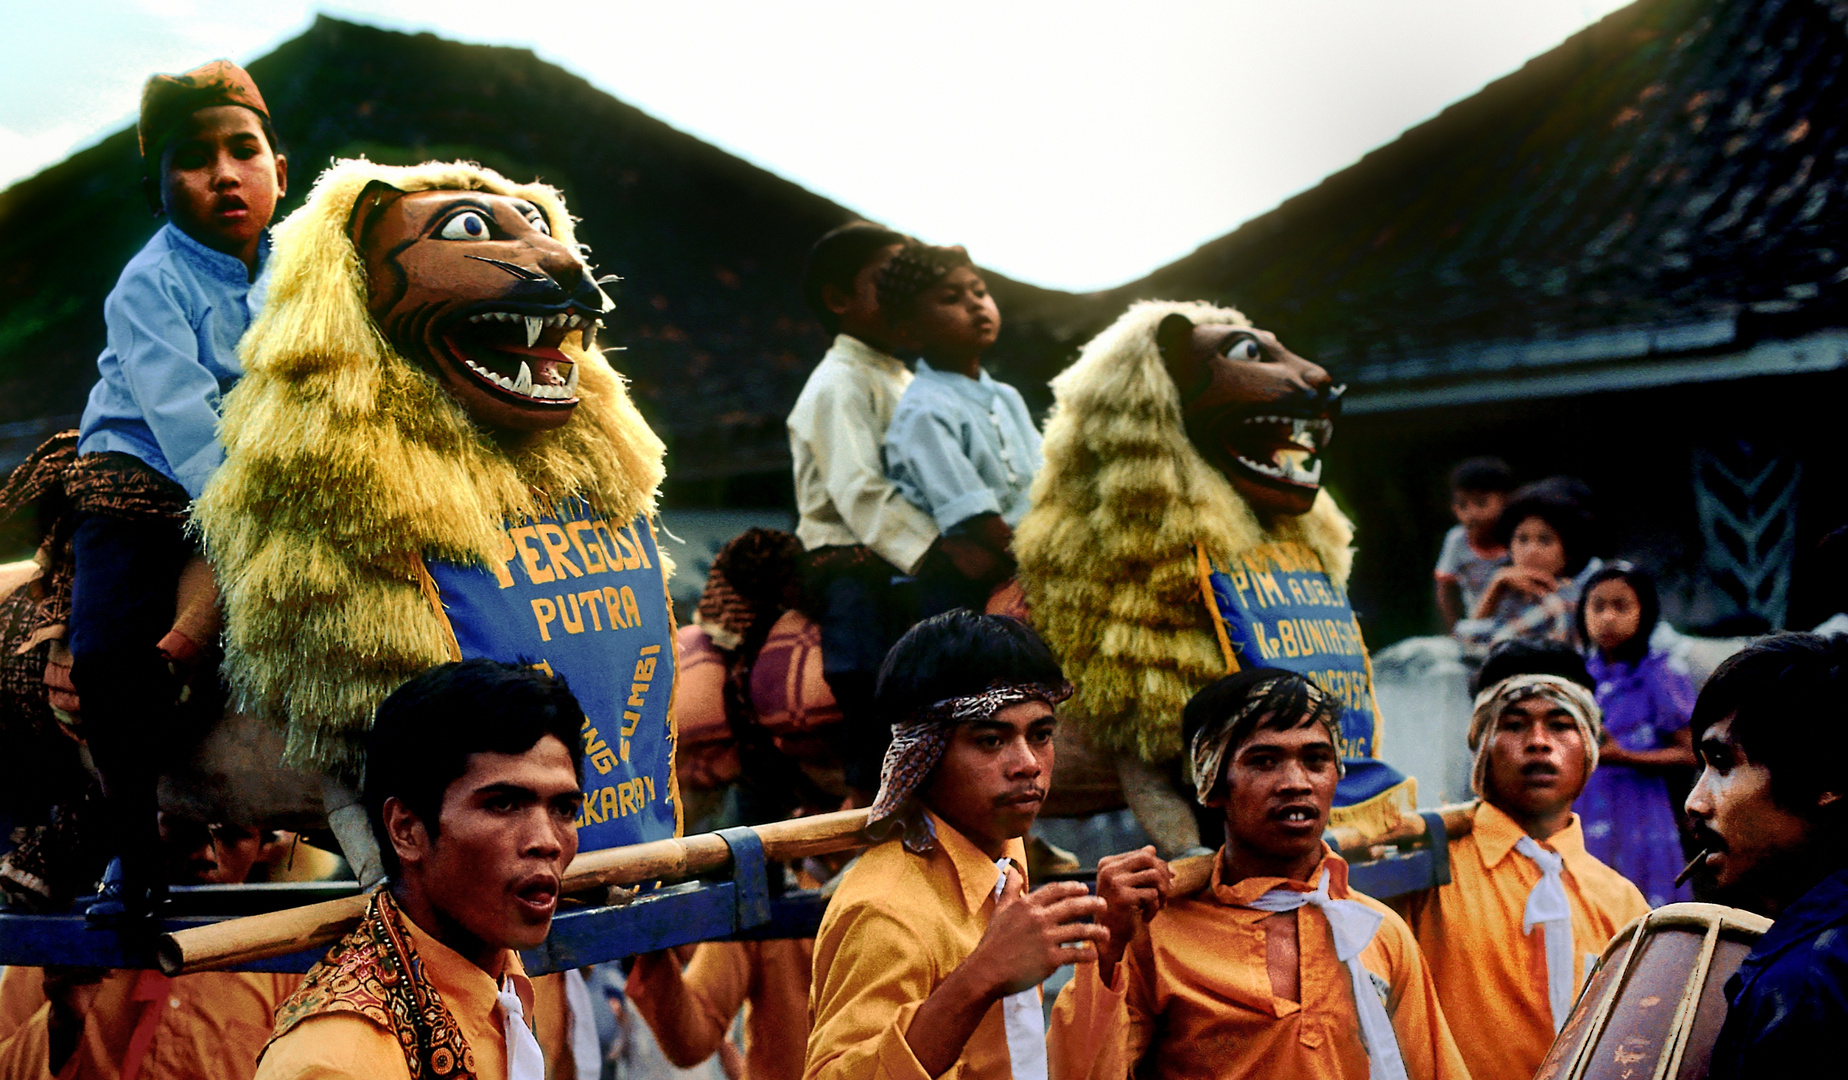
(930, 955)
(1511, 938)
(1276, 969)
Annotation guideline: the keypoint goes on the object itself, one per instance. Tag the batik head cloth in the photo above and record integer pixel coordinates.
(168, 99)
(918, 744)
(1568, 695)
(1213, 742)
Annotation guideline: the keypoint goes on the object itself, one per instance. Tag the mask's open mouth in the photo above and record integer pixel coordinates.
(1284, 450)
(515, 351)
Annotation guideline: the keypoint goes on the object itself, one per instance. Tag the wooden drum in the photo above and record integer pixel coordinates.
(1653, 1007)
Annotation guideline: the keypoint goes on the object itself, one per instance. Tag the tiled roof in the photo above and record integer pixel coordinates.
(1672, 180)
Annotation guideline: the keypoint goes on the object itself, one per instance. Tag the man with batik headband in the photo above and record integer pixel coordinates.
(1276, 969)
(930, 954)
(472, 787)
(1527, 910)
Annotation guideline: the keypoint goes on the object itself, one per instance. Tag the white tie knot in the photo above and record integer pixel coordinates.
(1549, 907)
(1352, 924)
(1021, 1018)
(525, 1061)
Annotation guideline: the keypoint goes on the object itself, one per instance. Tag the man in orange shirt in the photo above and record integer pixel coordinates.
(472, 789)
(1277, 969)
(931, 953)
(84, 1024)
(1512, 936)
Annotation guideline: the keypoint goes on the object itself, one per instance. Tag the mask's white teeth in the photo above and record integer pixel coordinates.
(571, 382)
(524, 384)
(534, 324)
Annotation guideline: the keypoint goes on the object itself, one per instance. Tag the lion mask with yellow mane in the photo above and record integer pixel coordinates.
(1177, 526)
(427, 448)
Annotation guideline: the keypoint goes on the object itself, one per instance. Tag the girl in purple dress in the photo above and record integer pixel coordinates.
(1646, 695)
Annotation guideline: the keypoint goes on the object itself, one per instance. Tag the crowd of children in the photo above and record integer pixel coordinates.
(909, 482)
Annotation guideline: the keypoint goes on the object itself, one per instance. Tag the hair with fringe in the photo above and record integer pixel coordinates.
(345, 464)
(1106, 552)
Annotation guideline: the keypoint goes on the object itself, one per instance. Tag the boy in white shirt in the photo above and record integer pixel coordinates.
(859, 532)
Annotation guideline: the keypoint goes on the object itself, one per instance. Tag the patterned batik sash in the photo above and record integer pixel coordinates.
(374, 972)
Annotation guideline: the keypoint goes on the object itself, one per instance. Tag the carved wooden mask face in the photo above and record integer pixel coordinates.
(474, 287)
(1256, 411)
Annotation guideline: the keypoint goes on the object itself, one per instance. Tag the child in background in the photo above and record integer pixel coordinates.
(1471, 554)
(148, 440)
(1533, 598)
(1647, 697)
(857, 531)
(961, 446)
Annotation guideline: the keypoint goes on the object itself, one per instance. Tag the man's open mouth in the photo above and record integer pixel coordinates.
(1296, 815)
(515, 351)
(1283, 449)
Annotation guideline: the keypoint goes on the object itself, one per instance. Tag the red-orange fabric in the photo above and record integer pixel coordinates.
(705, 754)
(788, 691)
(168, 99)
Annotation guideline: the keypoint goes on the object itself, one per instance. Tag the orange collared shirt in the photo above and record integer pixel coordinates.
(340, 1045)
(896, 928)
(1490, 976)
(1192, 996)
(142, 1025)
(691, 1011)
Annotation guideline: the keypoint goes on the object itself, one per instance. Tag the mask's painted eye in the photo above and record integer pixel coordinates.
(467, 225)
(1243, 349)
(538, 222)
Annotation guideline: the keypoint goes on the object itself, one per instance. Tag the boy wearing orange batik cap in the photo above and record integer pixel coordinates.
(148, 441)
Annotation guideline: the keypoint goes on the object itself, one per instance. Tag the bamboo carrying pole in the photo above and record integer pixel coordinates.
(279, 933)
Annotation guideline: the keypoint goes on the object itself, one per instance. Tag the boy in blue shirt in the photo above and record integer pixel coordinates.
(148, 441)
(961, 446)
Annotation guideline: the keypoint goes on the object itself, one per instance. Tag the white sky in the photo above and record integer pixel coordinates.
(1073, 144)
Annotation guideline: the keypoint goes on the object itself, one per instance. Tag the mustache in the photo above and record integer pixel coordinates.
(1021, 795)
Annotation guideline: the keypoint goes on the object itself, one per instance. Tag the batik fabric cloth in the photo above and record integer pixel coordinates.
(918, 745)
(166, 100)
(1630, 821)
(1493, 701)
(1210, 744)
(374, 972)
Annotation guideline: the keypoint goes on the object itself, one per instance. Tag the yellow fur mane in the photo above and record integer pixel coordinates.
(346, 463)
(1106, 552)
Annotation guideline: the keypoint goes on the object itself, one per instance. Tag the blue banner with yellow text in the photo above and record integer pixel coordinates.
(1277, 608)
(586, 598)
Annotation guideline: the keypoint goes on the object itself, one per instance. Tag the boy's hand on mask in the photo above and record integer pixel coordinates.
(1031, 935)
(1134, 887)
